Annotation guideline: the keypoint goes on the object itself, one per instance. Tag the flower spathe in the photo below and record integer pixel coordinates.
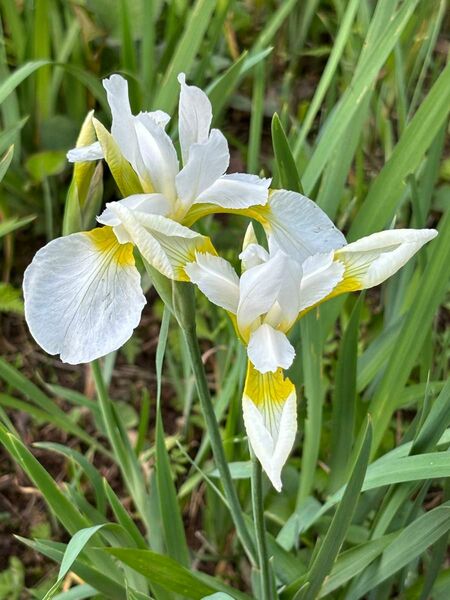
(82, 293)
(274, 289)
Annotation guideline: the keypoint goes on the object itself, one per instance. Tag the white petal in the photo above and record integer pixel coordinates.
(269, 406)
(372, 259)
(253, 255)
(207, 162)
(194, 116)
(284, 312)
(235, 191)
(159, 157)
(83, 296)
(259, 289)
(155, 204)
(165, 244)
(268, 349)
(122, 128)
(320, 276)
(158, 117)
(217, 279)
(85, 153)
(299, 227)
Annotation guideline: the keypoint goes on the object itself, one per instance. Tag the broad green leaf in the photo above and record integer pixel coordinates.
(44, 164)
(344, 402)
(10, 299)
(5, 162)
(410, 543)
(105, 582)
(364, 78)
(331, 544)
(185, 53)
(168, 503)
(389, 185)
(16, 78)
(287, 169)
(433, 285)
(14, 223)
(164, 571)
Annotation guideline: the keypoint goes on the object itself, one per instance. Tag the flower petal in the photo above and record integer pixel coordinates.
(320, 276)
(122, 128)
(269, 405)
(236, 191)
(158, 157)
(83, 296)
(85, 153)
(259, 289)
(217, 279)
(297, 226)
(253, 255)
(372, 259)
(268, 349)
(165, 244)
(207, 162)
(194, 116)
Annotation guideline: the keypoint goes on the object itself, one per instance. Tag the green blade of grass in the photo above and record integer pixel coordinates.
(390, 184)
(410, 543)
(329, 549)
(433, 285)
(344, 402)
(185, 53)
(168, 503)
(365, 75)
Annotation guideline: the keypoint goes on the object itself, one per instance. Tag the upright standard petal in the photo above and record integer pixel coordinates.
(236, 191)
(269, 406)
(216, 278)
(372, 259)
(83, 296)
(259, 289)
(165, 244)
(253, 255)
(207, 162)
(159, 158)
(297, 226)
(122, 128)
(194, 116)
(269, 349)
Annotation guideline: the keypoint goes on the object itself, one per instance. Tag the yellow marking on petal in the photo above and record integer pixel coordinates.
(267, 389)
(106, 242)
(349, 283)
(198, 211)
(126, 179)
(200, 244)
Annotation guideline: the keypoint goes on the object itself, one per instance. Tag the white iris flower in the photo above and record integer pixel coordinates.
(277, 287)
(82, 292)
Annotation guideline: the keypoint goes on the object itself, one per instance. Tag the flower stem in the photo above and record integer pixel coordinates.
(261, 542)
(185, 313)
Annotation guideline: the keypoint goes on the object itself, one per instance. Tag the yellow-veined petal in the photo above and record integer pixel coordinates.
(216, 278)
(83, 296)
(165, 244)
(269, 406)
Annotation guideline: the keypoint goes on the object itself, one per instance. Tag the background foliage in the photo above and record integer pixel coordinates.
(362, 91)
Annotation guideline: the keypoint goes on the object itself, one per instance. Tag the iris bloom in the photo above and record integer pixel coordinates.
(82, 292)
(274, 289)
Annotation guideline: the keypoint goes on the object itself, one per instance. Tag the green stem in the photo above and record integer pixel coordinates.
(216, 441)
(261, 541)
(184, 309)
